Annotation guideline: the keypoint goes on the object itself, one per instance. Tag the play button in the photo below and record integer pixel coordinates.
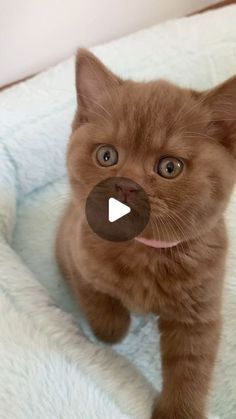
(117, 209)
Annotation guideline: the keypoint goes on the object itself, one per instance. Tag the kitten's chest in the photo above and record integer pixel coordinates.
(142, 285)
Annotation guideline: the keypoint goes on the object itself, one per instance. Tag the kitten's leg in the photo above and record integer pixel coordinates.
(188, 355)
(107, 317)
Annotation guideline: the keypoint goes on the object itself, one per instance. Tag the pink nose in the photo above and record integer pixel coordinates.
(126, 188)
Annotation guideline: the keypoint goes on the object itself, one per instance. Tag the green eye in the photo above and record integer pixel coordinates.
(107, 155)
(169, 167)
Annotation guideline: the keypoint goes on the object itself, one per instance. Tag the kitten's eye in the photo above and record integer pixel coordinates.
(169, 167)
(107, 155)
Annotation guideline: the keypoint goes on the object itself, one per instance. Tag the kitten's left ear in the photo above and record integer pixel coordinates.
(222, 101)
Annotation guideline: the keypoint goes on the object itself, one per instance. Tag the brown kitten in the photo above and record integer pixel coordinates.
(182, 284)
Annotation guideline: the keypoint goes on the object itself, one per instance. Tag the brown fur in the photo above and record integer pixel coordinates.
(183, 284)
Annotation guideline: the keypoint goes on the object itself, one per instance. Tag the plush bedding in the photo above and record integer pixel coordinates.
(50, 364)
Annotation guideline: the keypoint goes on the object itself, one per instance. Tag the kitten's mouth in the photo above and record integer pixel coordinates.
(158, 244)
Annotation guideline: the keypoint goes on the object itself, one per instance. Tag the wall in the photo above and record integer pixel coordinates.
(35, 34)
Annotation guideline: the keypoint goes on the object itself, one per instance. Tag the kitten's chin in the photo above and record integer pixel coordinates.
(158, 244)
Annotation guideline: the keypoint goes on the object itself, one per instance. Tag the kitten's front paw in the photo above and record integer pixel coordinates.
(165, 415)
(111, 322)
(159, 413)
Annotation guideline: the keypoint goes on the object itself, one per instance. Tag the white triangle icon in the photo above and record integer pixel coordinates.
(116, 210)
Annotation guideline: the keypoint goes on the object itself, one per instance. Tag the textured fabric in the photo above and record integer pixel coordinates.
(50, 364)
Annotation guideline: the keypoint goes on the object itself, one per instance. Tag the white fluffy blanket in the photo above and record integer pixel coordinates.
(50, 365)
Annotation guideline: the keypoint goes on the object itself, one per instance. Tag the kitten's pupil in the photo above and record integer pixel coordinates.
(170, 167)
(106, 156)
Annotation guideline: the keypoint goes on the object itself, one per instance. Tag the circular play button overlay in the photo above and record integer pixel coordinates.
(117, 209)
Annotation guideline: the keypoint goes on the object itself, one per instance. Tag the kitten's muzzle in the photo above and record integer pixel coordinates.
(125, 189)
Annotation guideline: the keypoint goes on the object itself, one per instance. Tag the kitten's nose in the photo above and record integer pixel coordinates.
(126, 188)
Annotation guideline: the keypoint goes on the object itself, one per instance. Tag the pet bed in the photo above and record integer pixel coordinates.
(51, 367)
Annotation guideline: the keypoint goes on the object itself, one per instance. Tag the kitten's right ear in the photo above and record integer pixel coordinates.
(93, 80)
(222, 102)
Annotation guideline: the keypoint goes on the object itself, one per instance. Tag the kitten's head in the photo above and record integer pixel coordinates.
(178, 144)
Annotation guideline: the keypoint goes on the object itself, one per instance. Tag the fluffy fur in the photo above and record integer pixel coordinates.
(182, 285)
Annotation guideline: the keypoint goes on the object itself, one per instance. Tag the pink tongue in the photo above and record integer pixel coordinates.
(158, 244)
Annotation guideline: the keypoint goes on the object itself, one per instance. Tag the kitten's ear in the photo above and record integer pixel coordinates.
(93, 79)
(222, 101)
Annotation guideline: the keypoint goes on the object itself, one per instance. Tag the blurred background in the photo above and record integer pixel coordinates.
(35, 34)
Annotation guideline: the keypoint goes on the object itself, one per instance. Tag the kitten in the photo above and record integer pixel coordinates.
(180, 146)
